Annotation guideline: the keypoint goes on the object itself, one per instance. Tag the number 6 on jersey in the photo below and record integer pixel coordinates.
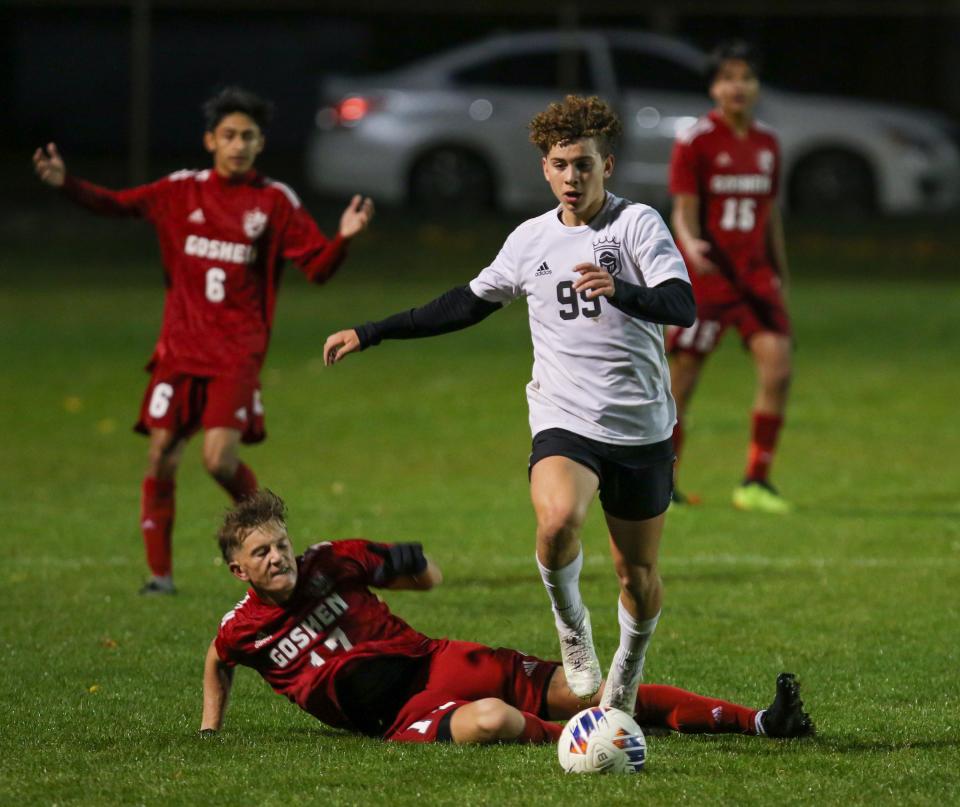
(216, 288)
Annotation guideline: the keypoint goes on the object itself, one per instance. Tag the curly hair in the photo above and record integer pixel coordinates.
(261, 508)
(577, 117)
(236, 99)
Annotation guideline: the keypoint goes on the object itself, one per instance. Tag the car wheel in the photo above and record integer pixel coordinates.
(451, 179)
(833, 182)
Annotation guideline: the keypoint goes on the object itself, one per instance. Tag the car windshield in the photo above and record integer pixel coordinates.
(637, 69)
(567, 70)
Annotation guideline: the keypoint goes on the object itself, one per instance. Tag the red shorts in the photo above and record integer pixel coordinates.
(186, 403)
(757, 307)
(463, 672)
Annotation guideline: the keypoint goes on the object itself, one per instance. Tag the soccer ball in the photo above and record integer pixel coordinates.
(602, 740)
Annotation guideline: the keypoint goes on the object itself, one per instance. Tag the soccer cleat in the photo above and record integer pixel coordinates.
(157, 587)
(622, 685)
(760, 497)
(785, 718)
(580, 663)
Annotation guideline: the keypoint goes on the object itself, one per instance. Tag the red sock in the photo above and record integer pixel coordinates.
(243, 484)
(536, 730)
(156, 522)
(670, 707)
(763, 442)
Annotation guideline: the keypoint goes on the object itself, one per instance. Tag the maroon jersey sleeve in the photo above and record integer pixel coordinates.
(138, 202)
(302, 242)
(683, 169)
(223, 646)
(227, 643)
(359, 559)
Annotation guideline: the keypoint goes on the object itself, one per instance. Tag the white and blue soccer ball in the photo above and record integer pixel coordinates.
(602, 740)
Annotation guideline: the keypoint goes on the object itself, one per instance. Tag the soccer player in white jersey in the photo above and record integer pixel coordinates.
(600, 275)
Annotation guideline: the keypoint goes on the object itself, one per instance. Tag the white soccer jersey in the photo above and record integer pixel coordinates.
(597, 372)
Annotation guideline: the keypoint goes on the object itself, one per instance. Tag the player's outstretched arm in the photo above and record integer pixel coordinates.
(217, 681)
(132, 202)
(429, 578)
(339, 345)
(49, 166)
(405, 567)
(356, 218)
(452, 311)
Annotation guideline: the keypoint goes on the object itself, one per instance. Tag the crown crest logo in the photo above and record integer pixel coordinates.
(606, 252)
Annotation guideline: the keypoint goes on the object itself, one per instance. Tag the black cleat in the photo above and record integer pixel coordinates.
(785, 718)
(157, 588)
(683, 499)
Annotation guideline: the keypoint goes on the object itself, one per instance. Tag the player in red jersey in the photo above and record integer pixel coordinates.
(724, 178)
(313, 629)
(224, 235)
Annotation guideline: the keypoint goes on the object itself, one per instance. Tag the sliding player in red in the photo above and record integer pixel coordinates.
(224, 235)
(724, 177)
(313, 629)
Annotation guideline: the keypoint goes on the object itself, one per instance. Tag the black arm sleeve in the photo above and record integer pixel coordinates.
(398, 560)
(670, 303)
(451, 311)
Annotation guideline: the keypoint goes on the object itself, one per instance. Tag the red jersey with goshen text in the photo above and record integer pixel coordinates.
(332, 620)
(223, 244)
(736, 180)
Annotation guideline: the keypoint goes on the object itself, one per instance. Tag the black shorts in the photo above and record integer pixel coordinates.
(636, 482)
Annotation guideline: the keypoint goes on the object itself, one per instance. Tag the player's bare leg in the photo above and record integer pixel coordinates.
(157, 508)
(685, 369)
(222, 461)
(561, 491)
(491, 720)
(635, 547)
(772, 356)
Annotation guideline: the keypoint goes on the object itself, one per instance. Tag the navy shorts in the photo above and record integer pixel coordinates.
(636, 482)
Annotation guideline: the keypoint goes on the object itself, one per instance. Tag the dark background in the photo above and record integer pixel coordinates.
(66, 67)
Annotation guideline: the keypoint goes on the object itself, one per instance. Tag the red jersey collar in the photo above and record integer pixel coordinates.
(717, 117)
(244, 179)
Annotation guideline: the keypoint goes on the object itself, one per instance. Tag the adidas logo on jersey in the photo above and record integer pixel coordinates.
(723, 160)
(542, 270)
(717, 713)
(262, 639)
(197, 217)
(241, 414)
(529, 667)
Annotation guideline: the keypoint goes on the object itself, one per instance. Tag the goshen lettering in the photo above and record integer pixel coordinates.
(226, 251)
(302, 636)
(740, 183)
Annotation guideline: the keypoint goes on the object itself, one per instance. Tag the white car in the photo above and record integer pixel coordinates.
(451, 130)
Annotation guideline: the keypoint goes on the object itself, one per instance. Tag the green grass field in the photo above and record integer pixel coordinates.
(857, 591)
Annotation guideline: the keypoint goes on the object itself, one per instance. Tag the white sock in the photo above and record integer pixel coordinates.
(563, 588)
(634, 637)
(626, 671)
